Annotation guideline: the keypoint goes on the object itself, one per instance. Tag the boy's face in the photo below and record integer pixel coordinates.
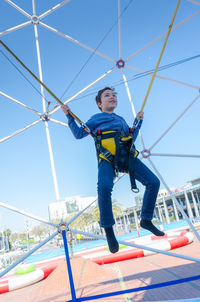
(108, 101)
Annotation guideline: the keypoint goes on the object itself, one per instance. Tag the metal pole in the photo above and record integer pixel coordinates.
(175, 155)
(51, 10)
(73, 293)
(44, 108)
(195, 204)
(176, 120)
(18, 8)
(7, 31)
(166, 211)
(37, 218)
(19, 131)
(20, 103)
(189, 209)
(132, 106)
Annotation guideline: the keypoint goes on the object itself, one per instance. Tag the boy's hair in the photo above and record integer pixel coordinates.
(98, 97)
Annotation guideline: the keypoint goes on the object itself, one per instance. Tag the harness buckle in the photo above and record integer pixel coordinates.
(135, 190)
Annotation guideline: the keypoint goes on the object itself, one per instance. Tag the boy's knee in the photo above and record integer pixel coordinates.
(105, 187)
(155, 183)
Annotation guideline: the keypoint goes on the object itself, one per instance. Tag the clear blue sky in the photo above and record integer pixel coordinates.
(26, 178)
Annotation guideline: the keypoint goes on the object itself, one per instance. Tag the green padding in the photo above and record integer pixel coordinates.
(121, 246)
(25, 269)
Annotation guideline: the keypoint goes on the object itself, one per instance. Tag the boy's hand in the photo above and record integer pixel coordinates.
(140, 115)
(65, 108)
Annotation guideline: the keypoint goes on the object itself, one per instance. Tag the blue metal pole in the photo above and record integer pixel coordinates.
(73, 293)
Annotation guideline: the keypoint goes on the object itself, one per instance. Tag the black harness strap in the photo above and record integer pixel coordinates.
(107, 154)
(113, 159)
(133, 153)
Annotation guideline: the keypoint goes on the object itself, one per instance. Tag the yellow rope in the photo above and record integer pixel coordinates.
(160, 57)
(38, 80)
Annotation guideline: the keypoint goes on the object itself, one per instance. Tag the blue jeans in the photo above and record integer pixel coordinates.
(105, 184)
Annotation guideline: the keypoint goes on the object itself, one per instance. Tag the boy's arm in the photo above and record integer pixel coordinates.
(77, 131)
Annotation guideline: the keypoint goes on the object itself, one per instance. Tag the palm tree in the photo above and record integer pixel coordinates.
(117, 211)
(7, 234)
(82, 221)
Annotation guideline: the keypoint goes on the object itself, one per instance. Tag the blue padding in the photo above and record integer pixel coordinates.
(152, 286)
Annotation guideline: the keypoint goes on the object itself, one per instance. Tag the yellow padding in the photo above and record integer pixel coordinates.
(125, 138)
(109, 144)
(110, 131)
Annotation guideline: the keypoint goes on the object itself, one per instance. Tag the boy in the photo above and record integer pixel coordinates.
(116, 152)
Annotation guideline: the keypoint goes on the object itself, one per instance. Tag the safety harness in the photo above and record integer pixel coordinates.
(108, 145)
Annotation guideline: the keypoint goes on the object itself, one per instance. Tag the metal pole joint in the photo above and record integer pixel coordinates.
(35, 19)
(63, 226)
(146, 153)
(120, 63)
(45, 117)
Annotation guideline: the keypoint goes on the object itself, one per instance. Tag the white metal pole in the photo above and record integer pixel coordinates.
(7, 31)
(195, 204)
(176, 120)
(131, 102)
(128, 93)
(59, 5)
(175, 155)
(198, 201)
(189, 209)
(84, 89)
(20, 103)
(18, 8)
(175, 211)
(136, 221)
(195, 2)
(162, 36)
(159, 212)
(9, 207)
(44, 108)
(19, 131)
(76, 41)
(166, 210)
(58, 122)
(164, 77)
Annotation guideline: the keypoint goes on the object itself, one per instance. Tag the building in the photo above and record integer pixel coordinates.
(68, 206)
